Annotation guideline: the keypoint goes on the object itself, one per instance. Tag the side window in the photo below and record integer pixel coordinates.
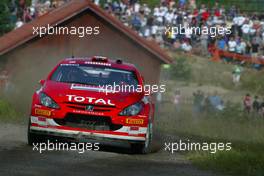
(57, 75)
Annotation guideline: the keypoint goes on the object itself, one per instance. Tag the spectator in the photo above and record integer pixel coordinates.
(19, 23)
(248, 48)
(221, 44)
(27, 15)
(246, 27)
(241, 46)
(136, 22)
(247, 103)
(262, 109)
(182, 3)
(198, 99)
(149, 23)
(192, 4)
(216, 102)
(255, 48)
(204, 42)
(177, 44)
(256, 105)
(232, 45)
(177, 99)
(186, 46)
(236, 74)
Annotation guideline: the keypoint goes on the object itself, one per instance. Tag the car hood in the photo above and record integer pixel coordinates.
(77, 93)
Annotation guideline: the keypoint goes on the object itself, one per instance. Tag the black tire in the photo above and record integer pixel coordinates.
(144, 148)
(32, 137)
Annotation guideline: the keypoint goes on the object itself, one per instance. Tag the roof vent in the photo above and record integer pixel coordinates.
(99, 59)
(119, 61)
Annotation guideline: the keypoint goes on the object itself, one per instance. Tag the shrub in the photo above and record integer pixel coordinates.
(181, 70)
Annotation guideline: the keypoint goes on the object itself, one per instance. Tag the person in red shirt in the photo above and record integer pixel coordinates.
(247, 103)
(195, 12)
(205, 15)
(217, 13)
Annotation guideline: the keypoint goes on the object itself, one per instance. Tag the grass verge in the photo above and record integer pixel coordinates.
(245, 132)
(8, 113)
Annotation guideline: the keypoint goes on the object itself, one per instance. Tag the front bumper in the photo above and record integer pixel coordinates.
(48, 126)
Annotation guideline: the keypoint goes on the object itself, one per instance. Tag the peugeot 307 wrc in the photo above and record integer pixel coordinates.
(70, 103)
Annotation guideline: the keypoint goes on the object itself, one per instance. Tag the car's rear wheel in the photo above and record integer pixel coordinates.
(145, 147)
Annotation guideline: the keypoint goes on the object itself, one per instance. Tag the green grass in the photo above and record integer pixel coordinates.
(245, 132)
(235, 162)
(205, 72)
(8, 113)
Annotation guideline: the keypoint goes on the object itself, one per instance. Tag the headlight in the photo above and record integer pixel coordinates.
(45, 100)
(132, 110)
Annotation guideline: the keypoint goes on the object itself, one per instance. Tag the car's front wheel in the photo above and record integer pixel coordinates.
(145, 147)
(32, 137)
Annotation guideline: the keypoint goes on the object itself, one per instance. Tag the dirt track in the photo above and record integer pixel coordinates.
(17, 158)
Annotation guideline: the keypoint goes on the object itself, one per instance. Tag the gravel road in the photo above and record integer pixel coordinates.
(17, 158)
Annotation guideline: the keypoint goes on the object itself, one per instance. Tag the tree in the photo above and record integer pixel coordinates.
(5, 23)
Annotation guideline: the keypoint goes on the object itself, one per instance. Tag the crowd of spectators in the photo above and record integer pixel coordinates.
(22, 12)
(253, 106)
(213, 103)
(247, 36)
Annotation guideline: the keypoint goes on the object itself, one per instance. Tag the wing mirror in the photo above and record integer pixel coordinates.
(41, 82)
(143, 79)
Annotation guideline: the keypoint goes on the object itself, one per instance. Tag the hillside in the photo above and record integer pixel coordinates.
(244, 131)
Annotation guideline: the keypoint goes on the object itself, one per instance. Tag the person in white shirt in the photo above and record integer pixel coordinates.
(246, 28)
(147, 33)
(235, 20)
(155, 11)
(147, 10)
(97, 2)
(136, 7)
(169, 17)
(154, 29)
(240, 20)
(19, 23)
(241, 46)
(232, 45)
(160, 16)
(186, 46)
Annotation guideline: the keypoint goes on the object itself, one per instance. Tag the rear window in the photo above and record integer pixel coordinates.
(93, 75)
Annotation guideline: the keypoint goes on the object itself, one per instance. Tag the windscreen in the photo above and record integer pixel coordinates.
(93, 75)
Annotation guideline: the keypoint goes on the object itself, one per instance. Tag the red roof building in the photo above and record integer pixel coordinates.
(29, 57)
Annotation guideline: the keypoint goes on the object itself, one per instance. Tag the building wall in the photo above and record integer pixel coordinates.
(34, 60)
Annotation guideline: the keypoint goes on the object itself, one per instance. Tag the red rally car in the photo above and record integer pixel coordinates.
(75, 101)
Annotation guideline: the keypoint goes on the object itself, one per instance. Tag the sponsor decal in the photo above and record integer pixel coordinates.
(89, 108)
(134, 121)
(85, 87)
(88, 112)
(42, 112)
(91, 100)
(70, 64)
(98, 63)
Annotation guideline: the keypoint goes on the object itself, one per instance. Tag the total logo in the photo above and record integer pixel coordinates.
(91, 100)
